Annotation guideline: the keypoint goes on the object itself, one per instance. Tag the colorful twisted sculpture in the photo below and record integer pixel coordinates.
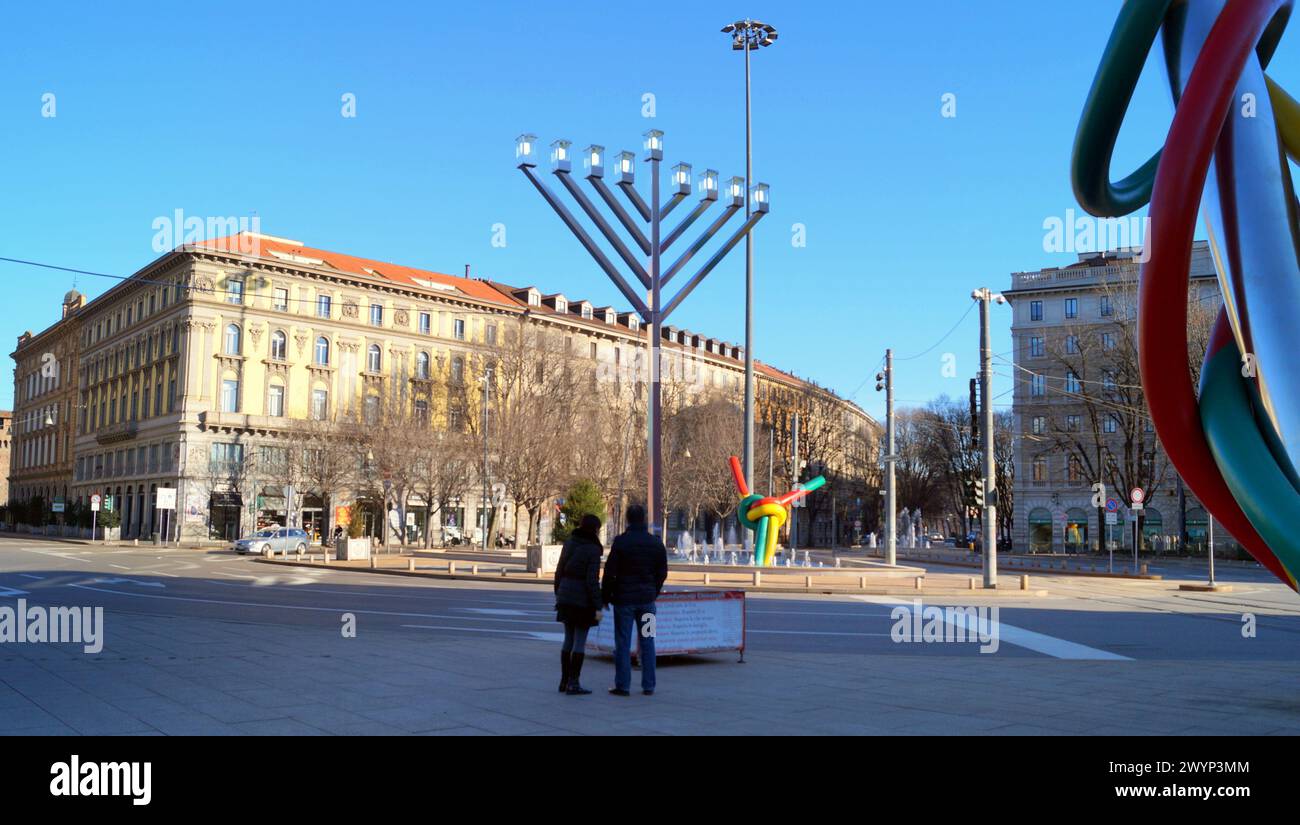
(765, 515)
(1237, 445)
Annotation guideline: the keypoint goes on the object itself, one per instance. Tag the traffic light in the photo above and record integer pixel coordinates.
(974, 410)
(880, 381)
(979, 492)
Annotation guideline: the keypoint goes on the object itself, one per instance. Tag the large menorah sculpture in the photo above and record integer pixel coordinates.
(650, 274)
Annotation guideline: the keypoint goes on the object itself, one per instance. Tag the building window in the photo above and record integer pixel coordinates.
(1075, 470)
(370, 409)
(422, 365)
(1036, 347)
(373, 360)
(278, 345)
(1072, 344)
(319, 404)
(1035, 310)
(1108, 380)
(586, 312)
(455, 420)
(234, 293)
(1040, 469)
(232, 339)
(1071, 382)
(1110, 424)
(1106, 309)
(376, 315)
(322, 355)
(281, 302)
(275, 401)
(1040, 424)
(230, 395)
(1073, 423)
(422, 411)
(491, 333)
(323, 306)
(1037, 385)
(1107, 340)
(425, 323)
(1071, 307)
(457, 370)
(458, 329)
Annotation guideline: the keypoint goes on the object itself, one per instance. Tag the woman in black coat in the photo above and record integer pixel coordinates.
(577, 599)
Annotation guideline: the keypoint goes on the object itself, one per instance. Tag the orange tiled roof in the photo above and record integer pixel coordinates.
(365, 267)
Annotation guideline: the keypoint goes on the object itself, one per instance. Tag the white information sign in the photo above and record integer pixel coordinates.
(698, 622)
(166, 498)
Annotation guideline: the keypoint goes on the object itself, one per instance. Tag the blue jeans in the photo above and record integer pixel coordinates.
(625, 617)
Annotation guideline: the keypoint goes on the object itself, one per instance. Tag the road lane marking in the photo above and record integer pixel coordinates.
(273, 606)
(541, 637)
(749, 630)
(31, 576)
(119, 566)
(1018, 636)
(9, 592)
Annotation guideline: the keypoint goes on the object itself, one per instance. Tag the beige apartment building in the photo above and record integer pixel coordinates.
(214, 353)
(41, 436)
(1080, 414)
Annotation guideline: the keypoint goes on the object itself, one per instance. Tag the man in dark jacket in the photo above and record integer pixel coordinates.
(634, 574)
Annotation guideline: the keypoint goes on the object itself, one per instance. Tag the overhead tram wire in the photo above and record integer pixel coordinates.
(930, 349)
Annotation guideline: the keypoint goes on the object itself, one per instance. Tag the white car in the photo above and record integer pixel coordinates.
(276, 539)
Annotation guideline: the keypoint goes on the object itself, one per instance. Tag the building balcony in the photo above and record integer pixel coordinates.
(114, 433)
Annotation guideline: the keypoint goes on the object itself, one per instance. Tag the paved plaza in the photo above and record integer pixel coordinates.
(206, 642)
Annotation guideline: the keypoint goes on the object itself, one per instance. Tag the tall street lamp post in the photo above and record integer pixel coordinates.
(654, 311)
(748, 35)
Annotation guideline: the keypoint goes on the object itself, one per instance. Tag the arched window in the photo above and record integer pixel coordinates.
(1197, 524)
(373, 362)
(322, 356)
(1076, 530)
(457, 370)
(278, 342)
(422, 365)
(232, 339)
(1040, 530)
(1152, 530)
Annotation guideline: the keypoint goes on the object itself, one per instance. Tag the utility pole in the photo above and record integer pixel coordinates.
(990, 513)
(794, 484)
(885, 381)
(487, 383)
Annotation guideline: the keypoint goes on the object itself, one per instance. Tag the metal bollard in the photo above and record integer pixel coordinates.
(706, 578)
(758, 578)
(410, 565)
(374, 563)
(972, 582)
(807, 581)
(451, 567)
(1024, 582)
(919, 581)
(862, 582)
(474, 569)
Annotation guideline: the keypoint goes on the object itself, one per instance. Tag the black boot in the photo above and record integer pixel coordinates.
(565, 668)
(575, 670)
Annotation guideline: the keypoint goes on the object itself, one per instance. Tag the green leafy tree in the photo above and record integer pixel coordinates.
(583, 498)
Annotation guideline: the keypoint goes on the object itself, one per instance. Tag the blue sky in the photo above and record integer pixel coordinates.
(233, 109)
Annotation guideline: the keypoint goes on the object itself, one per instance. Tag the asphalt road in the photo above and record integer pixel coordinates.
(157, 603)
